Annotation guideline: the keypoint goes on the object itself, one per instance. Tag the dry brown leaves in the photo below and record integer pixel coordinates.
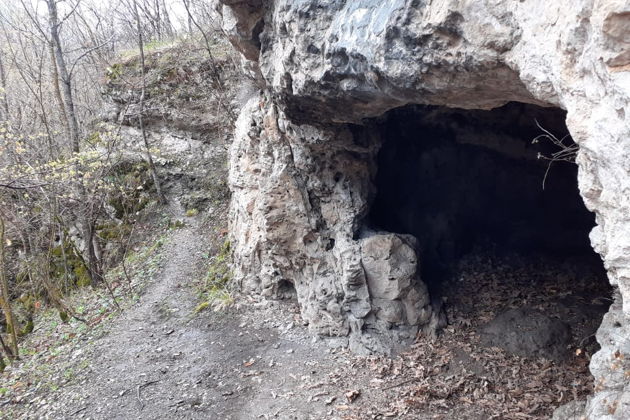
(455, 374)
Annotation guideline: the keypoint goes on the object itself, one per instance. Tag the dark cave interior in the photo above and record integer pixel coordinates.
(461, 179)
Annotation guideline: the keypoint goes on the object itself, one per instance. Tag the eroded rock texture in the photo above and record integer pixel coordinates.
(303, 163)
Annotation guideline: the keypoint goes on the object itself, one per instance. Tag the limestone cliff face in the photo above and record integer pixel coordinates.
(301, 171)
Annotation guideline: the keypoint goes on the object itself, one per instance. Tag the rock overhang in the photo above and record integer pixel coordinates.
(324, 64)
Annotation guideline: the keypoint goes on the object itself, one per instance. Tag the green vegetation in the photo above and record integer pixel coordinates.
(67, 266)
(134, 187)
(176, 224)
(157, 44)
(215, 290)
(56, 337)
(150, 46)
(114, 72)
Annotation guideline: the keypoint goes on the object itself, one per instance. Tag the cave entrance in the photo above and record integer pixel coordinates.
(498, 228)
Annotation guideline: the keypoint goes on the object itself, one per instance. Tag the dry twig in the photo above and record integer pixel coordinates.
(566, 153)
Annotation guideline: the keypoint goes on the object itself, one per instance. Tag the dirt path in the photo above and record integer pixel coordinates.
(160, 360)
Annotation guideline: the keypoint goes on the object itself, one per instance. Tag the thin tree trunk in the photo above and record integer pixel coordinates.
(6, 351)
(64, 76)
(154, 175)
(158, 19)
(61, 71)
(84, 214)
(3, 94)
(56, 88)
(6, 299)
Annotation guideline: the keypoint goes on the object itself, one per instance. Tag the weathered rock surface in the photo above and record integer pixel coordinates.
(301, 171)
(185, 117)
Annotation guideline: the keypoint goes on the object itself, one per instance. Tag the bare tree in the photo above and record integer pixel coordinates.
(3, 92)
(154, 175)
(85, 214)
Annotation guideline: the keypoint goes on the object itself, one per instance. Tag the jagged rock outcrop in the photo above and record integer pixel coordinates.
(302, 162)
(185, 117)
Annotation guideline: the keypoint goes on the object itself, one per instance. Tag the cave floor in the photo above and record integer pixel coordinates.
(456, 376)
(159, 359)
